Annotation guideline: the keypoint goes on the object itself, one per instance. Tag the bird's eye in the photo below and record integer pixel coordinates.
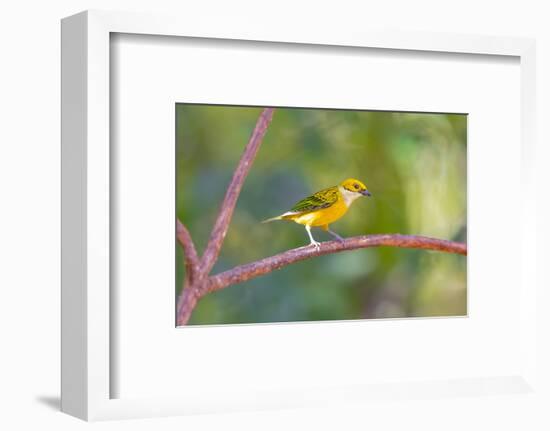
(356, 186)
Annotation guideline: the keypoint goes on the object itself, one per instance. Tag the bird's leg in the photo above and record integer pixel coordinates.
(313, 242)
(334, 234)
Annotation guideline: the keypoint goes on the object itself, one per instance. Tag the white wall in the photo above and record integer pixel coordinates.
(29, 185)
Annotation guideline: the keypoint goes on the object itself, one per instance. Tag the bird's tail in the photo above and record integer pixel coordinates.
(280, 217)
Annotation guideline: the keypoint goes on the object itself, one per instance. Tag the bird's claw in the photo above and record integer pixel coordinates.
(316, 245)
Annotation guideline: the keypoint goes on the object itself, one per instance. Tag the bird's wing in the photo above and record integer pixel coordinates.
(319, 200)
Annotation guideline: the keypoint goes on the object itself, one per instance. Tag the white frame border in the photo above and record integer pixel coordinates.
(85, 187)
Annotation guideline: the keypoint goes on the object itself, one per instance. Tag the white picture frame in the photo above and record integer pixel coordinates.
(87, 341)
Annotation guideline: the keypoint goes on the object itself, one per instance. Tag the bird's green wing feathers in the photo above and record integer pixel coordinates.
(319, 200)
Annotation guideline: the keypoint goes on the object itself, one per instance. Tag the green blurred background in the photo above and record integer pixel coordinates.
(413, 163)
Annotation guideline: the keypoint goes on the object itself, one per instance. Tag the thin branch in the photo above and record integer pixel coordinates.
(252, 270)
(184, 238)
(191, 257)
(233, 190)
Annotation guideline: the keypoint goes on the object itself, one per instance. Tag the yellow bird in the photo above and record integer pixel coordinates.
(324, 207)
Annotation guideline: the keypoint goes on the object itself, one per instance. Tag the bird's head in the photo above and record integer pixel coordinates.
(355, 186)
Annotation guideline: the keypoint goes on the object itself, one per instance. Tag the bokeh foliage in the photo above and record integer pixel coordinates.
(413, 163)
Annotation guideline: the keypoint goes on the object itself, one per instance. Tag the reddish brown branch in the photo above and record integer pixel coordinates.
(233, 190)
(186, 303)
(191, 257)
(197, 270)
(246, 272)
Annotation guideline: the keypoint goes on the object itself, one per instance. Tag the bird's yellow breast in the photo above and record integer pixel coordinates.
(323, 216)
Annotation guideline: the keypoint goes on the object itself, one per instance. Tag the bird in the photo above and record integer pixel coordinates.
(324, 207)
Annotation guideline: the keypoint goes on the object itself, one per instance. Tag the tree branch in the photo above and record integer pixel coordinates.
(252, 270)
(197, 270)
(191, 257)
(233, 190)
(186, 304)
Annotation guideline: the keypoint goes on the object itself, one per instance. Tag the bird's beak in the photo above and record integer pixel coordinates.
(365, 193)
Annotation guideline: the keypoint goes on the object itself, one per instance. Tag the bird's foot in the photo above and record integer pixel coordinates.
(338, 238)
(316, 244)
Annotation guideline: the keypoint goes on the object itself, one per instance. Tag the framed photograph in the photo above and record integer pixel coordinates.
(262, 218)
(422, 188)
